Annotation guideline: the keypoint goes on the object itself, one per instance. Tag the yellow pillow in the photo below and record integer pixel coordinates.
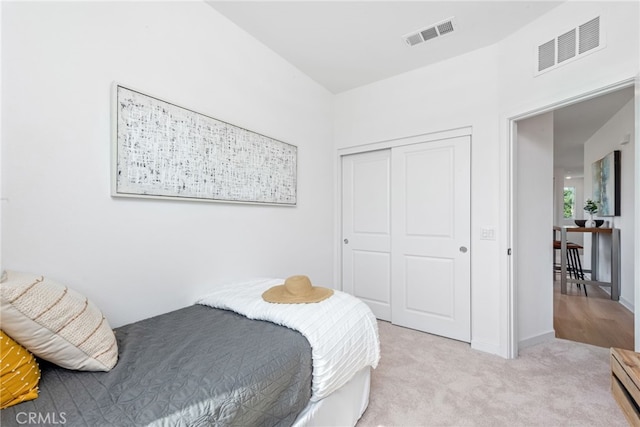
(19, 373)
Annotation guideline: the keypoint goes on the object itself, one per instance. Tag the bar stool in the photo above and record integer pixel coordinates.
(574, 265)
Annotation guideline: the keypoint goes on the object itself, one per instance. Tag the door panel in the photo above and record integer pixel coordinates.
(436, 301)
(366, 257)
(431, 223)
(406, 216)
(371, 279)
(424, 217)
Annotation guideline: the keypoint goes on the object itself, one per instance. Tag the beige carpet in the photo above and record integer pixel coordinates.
(425, 380)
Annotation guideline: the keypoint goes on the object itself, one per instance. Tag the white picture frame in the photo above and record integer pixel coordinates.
(163, 150)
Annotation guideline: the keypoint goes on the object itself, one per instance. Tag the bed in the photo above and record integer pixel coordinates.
(229, 359)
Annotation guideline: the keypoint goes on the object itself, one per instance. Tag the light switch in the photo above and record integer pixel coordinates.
(488, 234)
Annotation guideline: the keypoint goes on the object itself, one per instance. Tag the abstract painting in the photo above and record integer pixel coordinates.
(161, 150)
(606, 184)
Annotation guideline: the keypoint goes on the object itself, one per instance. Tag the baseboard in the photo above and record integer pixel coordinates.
(625, 302)
(486, 347)
(495, 349)
(538, 339)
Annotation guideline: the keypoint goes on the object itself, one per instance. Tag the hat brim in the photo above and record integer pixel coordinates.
(279, 295)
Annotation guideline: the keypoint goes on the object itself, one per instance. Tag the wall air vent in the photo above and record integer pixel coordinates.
(589, 35)
(431, 32)
(546, 55)
(569, 46)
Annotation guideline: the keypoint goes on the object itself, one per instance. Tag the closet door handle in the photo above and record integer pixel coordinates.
(463, 249)
(346, 241)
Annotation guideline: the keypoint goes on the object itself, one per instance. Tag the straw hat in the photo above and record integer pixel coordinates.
(296, 290)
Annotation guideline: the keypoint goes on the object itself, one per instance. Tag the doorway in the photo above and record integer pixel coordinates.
(530, 230)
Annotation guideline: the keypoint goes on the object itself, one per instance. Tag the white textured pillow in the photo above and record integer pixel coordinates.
(56, 323)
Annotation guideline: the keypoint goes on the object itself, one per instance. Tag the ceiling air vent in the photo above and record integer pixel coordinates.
(445, 27)
(431, 32)
(413, 39)
(569, 46)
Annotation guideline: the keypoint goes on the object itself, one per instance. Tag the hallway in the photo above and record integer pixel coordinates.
(595, 319)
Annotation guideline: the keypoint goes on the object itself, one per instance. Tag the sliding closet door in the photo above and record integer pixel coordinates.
(431, 232)
(366, 229)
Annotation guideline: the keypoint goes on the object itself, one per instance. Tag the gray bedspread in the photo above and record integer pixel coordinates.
(196, 366)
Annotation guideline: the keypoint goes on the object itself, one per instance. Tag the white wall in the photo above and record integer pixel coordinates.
(484, 89)
(1, 149)
(136, 258)
(534, 199)
(604, 141)
(636, 259)
(408, 105)
(558, 189)
(522, 92)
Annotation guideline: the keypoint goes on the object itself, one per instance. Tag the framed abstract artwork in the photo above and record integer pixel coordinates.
(162, 150)
(606, 184)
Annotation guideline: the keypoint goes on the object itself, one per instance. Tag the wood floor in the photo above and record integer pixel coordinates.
(595, 319)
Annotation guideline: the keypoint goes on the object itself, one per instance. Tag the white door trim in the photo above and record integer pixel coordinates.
(637, 210)
(509, 331)
(406, 140)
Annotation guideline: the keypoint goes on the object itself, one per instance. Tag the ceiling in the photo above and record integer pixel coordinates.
(346, 44)
(575, 124)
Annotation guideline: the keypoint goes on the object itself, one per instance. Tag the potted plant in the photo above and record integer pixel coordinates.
(591, 207)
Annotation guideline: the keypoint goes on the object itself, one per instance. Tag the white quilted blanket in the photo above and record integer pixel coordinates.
(342, 330)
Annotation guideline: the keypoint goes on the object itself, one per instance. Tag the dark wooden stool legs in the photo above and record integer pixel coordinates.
(574, 265)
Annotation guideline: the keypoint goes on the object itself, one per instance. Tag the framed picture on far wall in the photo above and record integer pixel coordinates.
(606, 184)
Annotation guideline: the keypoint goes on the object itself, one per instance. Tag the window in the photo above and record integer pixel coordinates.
(569, 202)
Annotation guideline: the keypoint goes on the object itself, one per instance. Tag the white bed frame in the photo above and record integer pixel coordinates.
(343, 407)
